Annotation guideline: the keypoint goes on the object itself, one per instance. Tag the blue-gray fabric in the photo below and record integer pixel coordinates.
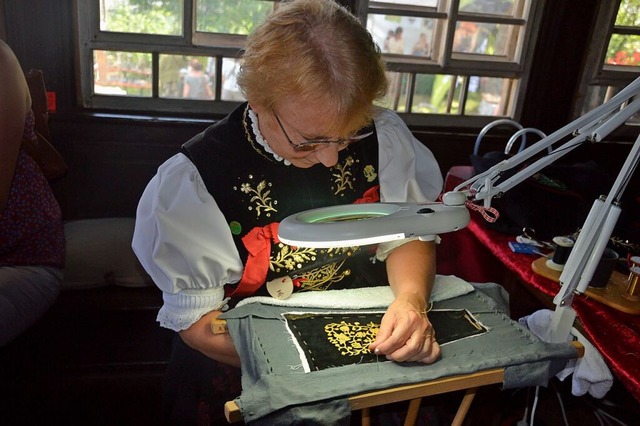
(277, 391)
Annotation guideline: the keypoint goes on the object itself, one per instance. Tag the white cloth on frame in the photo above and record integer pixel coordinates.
(183, 240)
(590, 373)
(445, 287)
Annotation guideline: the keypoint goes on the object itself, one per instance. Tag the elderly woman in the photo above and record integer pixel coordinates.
(309, 136)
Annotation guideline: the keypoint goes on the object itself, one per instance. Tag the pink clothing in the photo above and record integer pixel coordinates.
(31, 231)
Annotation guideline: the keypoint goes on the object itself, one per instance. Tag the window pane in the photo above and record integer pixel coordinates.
(438, 93)
(121, 73)
(171, 72)
(231, 16)
(629, 13)
(431, 94)
(488, 96)
(402, 34)
(142, 16)
(396, 97)
(488, 7)
(623, 50)
(230, 89)
(597, 95)
(198, 78)
(485, 39)
(423, 3)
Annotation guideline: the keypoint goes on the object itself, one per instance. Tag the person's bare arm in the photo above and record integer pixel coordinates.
(15, 102)
(406, 333)
(217, 346)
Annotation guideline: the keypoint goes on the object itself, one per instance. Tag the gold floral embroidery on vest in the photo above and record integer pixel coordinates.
(352, 338)
(370, 173)
(288, 259)
(291, 258)
(321, 278)
(343, 177)
(260, 198)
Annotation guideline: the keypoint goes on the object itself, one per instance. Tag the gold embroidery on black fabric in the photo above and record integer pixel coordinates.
(352, 338)
(261, 199)
(370, 173)
(291, 258)
(343, 177)
(287, 259)
(323, 277)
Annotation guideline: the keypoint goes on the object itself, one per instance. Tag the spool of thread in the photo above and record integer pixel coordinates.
(632, 262)
(563, 247)
(633, 290)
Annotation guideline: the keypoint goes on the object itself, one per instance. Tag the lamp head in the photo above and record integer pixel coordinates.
(370, 223)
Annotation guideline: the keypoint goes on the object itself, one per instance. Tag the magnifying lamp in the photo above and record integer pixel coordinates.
(379, 222)
(370, 223)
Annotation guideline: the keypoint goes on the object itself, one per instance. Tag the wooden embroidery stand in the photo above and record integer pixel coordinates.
(412, 393)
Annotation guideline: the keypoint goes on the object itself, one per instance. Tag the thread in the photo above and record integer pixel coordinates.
(632, 262)
(633, 288)
(563, 247)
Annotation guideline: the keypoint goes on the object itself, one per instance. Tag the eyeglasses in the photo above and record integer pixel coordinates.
(315, 144)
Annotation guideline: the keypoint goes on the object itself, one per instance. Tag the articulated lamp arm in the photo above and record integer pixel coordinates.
(593, 127)
(601, 220)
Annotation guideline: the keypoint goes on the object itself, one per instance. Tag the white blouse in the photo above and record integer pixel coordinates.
(183, 240)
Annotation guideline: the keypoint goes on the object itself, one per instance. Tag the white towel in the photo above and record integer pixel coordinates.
(445, 287)
(590, 373)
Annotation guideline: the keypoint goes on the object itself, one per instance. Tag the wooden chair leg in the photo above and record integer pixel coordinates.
(412, 412)
(366, 417)
(464, 406)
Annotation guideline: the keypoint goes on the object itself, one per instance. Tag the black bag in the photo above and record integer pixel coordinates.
(554, 201)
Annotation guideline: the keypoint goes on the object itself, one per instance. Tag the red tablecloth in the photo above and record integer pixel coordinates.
(615, 334)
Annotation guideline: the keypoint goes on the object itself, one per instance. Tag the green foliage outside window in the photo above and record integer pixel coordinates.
(231, 16)
(142, 16)
(625, 49)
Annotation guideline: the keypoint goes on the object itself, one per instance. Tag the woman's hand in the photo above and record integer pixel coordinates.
(406, 333)
(217, 346)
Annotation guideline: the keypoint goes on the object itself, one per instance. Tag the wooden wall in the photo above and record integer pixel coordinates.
(112, 158)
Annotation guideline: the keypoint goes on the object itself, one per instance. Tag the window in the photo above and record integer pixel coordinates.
(449, 61)
(614, 58)
(178, 56)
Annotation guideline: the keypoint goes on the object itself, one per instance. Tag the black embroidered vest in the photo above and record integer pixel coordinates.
(252, 189)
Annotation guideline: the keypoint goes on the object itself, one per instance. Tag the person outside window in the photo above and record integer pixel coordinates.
(396, 43)
(421, 46)
(197, 84)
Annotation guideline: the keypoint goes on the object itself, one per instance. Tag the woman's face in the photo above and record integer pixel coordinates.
(294, 122)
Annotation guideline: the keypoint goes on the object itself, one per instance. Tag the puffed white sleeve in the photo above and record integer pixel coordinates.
(183, 241)
(408, 170)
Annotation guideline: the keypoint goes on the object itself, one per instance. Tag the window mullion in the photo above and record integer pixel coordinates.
(188, 19)
(451, 22)
(623, 30)
(464, 91)
(155, 77)
(411, 84)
